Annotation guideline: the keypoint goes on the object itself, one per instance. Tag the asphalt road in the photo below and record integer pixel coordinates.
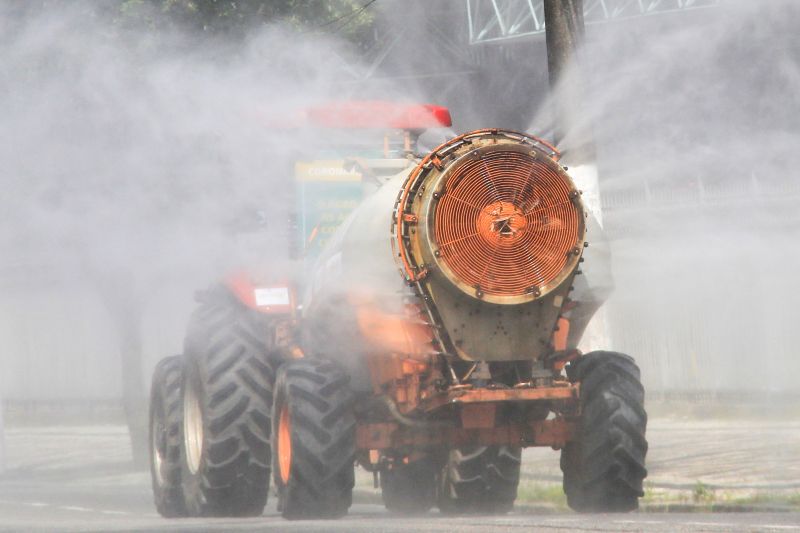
(79, 479)
(38, 516)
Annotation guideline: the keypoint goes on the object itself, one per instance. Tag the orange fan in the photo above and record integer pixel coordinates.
(506, 223)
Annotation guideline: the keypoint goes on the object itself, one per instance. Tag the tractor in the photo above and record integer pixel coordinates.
(426, 329)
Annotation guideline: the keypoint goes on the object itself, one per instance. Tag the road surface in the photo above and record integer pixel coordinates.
(79, 479)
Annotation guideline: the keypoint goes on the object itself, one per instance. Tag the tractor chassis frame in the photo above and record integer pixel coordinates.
(477, 407)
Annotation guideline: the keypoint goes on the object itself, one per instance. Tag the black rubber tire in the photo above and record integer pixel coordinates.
(409, 488)
(319, 404)
(605, 466)
(480, 479)
(166, 433)
(231, 372)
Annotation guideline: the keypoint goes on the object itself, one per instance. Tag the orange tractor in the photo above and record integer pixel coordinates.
(431, 340)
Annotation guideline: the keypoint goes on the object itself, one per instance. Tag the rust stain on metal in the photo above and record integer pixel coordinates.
(383, 436)
(467, 396)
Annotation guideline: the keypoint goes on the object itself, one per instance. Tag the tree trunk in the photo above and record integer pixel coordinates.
(2, 440)
(120, 294)
(134, 395)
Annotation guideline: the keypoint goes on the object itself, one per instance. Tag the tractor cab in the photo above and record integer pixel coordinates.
(348, 150)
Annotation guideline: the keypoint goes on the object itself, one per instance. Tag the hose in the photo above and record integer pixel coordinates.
(408, 421)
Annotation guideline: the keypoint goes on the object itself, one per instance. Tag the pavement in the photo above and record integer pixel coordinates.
(734, 457)
(79, 478)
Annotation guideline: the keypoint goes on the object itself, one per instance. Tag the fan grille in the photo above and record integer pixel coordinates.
(506, 223)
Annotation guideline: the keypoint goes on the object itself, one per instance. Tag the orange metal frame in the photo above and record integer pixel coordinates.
(477, 406)
(567, 391)
(387, 436)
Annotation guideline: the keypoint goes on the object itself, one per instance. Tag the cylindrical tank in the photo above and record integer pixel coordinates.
(485, 234)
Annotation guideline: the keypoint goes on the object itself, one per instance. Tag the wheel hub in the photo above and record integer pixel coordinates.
(192, 427)
(159, 436)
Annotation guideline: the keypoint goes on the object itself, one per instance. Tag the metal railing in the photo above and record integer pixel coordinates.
(500, 20)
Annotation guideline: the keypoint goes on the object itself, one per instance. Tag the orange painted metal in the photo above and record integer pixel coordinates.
(566, 391)
(560, 335)
(398, 343)
(384, 436)
(392, 331)
(394, 334)
(560, 362)
(244, 287)
(478, 415)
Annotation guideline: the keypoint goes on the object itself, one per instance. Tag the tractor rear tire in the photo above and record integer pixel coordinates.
(409, 488)
(166, 433)
(481, 479)
(314, 440)
(227, 403)
(605, 466)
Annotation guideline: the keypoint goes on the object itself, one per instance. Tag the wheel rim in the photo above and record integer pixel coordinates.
(159, 444)
(192, 427)
(284, 445)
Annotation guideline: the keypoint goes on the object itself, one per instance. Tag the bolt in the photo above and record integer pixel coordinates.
(437, 253)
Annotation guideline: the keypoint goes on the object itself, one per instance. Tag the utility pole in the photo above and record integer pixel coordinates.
(565, 35)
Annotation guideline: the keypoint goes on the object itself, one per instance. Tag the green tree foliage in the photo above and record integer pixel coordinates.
(352, 19)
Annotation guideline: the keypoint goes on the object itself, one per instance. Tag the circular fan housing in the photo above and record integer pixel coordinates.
(505, 223)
